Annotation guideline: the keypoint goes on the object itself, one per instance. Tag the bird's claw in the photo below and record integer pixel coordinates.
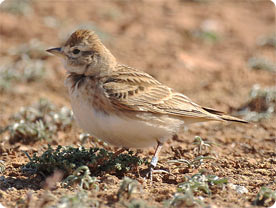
(150, 171)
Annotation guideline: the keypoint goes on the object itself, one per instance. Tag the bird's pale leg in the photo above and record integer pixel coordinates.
(154, 161)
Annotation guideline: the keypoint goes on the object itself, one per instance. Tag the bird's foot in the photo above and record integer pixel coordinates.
(150, 171)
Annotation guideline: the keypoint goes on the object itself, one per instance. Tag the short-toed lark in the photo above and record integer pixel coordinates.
(122, 105)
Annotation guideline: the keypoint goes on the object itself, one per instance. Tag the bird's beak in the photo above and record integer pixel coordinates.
(56, 51)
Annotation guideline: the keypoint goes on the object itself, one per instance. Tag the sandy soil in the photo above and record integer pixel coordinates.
(160, 38)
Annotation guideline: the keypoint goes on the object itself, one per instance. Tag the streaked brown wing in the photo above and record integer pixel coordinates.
(133, 90)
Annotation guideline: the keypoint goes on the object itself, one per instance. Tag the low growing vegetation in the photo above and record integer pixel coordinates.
(261, 104)
(40, 121)
(73, 160)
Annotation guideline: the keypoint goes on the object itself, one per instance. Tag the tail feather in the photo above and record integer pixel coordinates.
(223, 116)
(234, 119)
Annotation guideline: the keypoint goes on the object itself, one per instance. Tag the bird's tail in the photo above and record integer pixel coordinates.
(223, 116)
(231, 118)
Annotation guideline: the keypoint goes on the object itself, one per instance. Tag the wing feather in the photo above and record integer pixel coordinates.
(134, 90)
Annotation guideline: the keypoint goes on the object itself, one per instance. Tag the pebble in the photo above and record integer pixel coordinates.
(238, 189)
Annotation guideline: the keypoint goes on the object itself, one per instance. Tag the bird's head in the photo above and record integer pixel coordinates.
(84, 53)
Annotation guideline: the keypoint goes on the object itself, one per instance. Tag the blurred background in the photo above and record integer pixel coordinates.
(219, 53)
(213, 51)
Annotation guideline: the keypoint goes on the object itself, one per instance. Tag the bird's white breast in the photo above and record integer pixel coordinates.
(118, 130)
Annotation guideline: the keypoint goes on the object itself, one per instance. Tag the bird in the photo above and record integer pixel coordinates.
(122, 105)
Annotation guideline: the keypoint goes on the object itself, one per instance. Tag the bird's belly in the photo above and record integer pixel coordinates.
(119, 130)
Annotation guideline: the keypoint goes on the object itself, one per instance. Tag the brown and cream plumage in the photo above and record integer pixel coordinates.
(122, 105)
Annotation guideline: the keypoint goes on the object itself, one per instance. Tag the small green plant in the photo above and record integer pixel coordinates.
(208, 36)
(261, 104)
(258, 63)
(183, 200)
(207, 31)
(201, 145)
(128, 187)
(23, 70)
(195, 185)
(6, 77)
(195, 163)
(265, 196)
(200, 182)
(28, 132)
(76, 200)
(269, 40)
(82, 175)
(24, 63)
(69, 159)
(39, 121)
(137, 203)
(19, 7)
(34, 50)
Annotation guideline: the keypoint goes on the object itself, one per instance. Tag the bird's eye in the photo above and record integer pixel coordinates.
(76, 51)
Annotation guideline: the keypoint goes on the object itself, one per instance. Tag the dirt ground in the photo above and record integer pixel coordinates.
(200, 48)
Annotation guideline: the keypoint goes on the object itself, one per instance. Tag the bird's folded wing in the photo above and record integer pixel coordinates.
(137, 91)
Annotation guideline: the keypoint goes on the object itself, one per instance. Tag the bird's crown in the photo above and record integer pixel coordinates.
(84, 53)
(84, 38)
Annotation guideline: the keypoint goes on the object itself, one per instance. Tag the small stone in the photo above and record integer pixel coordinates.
(238, 189)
